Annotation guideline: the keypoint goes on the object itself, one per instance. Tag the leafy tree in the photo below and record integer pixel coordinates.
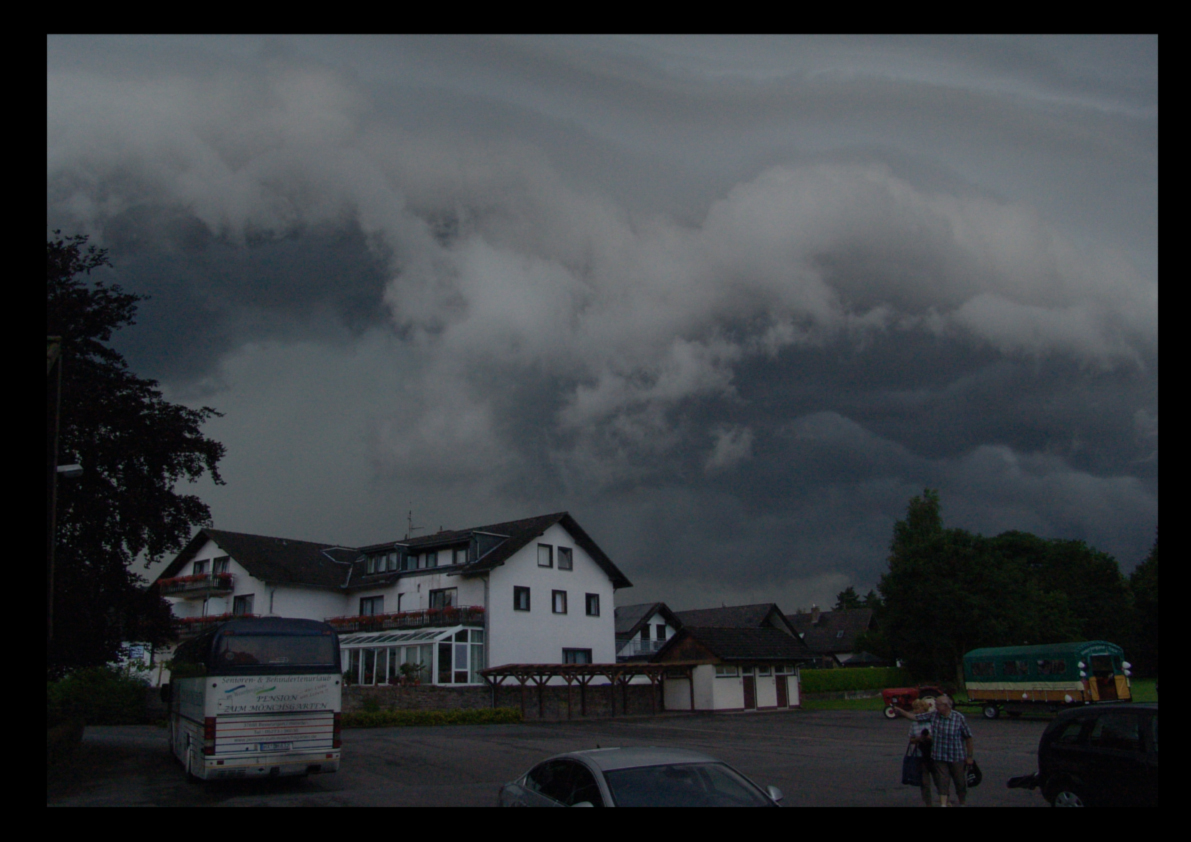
(948, 591)
(134, 447)
(1144, 584)
(846, 599)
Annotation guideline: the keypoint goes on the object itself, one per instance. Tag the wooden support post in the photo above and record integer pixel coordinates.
(690, 674)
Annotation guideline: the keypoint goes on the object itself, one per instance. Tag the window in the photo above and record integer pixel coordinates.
(409, 562)
(576, 656)
(242, 605)
(593, 605)
(1117, 731)
(645, 634)
(1052, 667)
(393, 561)
(764, 670)
(370, 564)
(565, 558)
(461, 556)
(200, 567)
(370, 605)
(431, 558)
(983, 669)
(726, 672)
(414, 562)
(445, 598)
(1017, 667)
(659, 631)
(545, 555)
(521, 599)
(220, 565)
(558, 600)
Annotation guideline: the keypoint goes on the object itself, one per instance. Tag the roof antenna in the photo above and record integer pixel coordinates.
(409, 529)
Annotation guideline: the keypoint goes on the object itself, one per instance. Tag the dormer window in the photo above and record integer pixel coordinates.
(461, 555)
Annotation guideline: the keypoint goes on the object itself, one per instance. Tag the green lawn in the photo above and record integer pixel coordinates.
(1143, 690)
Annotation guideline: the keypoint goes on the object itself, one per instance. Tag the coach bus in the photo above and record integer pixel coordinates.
(1020, 678)
(256, 696)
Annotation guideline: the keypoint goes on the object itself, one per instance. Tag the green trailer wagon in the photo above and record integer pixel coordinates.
(1051, 676)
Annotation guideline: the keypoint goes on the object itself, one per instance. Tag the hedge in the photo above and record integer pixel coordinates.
(389, 718)
(856, 678)
(97, 696)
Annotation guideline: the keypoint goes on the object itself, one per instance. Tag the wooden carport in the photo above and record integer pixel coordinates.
(583, 674)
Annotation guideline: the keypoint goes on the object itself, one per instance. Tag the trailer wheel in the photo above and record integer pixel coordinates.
(991, 711)
(890, 713)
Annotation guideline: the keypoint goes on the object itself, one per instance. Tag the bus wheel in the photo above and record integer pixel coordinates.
(991, 711)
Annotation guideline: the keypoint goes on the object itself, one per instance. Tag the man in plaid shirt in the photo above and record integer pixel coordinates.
(951, 749)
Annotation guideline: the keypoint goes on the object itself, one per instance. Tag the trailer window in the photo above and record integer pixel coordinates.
(1017, 667)
(1052, 667)
(983, 669)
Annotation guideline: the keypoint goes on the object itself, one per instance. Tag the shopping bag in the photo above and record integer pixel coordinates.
(973, 775)
(912, 767)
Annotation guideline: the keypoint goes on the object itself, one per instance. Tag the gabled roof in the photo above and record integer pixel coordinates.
(736, 644)
(630, 618)
(762, 615)
(280, 561)
(521, 532)
(824, 635)
(285, 561)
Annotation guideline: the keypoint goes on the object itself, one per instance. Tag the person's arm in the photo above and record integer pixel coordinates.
(907, 714)
(968, 756)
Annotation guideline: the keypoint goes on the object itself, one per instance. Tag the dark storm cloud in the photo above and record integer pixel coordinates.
(731, 301)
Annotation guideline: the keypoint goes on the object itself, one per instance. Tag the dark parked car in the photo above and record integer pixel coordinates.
(1098, 756)
(635, 777)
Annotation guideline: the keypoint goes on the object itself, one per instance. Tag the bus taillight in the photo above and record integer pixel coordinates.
(336, 740)
(209, 735)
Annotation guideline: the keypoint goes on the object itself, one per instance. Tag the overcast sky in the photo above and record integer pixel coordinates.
(730, 301)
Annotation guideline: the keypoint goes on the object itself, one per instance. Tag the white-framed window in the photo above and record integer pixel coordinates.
(242, 604)
(393, 556)
(461, 555)
(370, 564)
(558, 601)
(520, 599)
(200, 567)
(593, 605)
(545, 555)
(565, 558)
(764, 670)
(726, 672)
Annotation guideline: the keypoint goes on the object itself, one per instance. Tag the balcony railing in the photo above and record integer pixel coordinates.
(638, 647)
(188, 627)
(453, 616)
(203, 584)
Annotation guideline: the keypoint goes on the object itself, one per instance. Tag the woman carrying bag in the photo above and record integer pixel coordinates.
(918, 752)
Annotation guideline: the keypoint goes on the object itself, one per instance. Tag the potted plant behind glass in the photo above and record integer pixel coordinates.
(410, 673)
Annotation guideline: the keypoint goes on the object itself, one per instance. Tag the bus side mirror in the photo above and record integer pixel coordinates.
(165, 693)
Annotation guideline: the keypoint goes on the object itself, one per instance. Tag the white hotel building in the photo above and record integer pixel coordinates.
(532, 591)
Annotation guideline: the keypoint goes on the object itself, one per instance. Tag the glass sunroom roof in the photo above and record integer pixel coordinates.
(397, 638)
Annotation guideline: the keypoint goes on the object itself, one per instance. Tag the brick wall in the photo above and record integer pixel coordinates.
(557, 701)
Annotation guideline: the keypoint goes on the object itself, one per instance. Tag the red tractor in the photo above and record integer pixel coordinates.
(902, 697)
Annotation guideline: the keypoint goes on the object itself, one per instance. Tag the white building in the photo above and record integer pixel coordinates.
(533, 591)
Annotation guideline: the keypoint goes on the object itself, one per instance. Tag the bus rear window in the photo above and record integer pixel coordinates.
(276, 650)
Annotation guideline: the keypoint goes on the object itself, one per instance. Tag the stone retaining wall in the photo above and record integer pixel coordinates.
(556, 700)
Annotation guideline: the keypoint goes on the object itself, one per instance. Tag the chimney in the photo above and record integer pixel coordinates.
(814, 614)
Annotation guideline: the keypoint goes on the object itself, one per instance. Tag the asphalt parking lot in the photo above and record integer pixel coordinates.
(817, 759)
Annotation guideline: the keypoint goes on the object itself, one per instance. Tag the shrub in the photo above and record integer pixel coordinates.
(97, 696)
(390, 718)
(859, 678)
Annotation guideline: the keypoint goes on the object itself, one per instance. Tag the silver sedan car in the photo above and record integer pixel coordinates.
(635, 777)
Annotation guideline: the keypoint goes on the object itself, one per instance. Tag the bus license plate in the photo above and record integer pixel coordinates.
(276, 746)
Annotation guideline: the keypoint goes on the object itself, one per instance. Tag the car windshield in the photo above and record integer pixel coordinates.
(683, 785)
